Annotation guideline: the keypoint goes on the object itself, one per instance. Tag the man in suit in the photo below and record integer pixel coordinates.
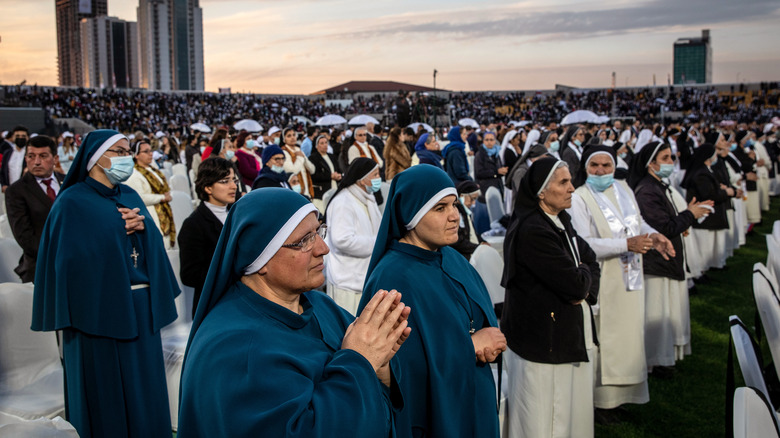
(28, 201)
(13, 158)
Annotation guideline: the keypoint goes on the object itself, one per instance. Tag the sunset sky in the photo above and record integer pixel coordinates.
(302, 46)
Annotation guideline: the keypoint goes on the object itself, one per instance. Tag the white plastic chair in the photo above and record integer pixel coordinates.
(5, 227)
(181, 184)
(179, 169)
(174, 339)
(192, 184)
(773, 256)
(2, 203)
(494, 204)
(776, 230)
(765, 291)
(31, 377)
(747, 356)
(753, 415)
(326, 197)
(181, 204)
(168, 165)
(490, 266)
(15, 427)
(10, 253)
(385, 190)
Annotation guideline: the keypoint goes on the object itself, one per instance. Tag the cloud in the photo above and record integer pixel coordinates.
(556, 23)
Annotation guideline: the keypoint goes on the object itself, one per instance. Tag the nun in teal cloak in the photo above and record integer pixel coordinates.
(106, 282)
(269, 356)
(446, 381)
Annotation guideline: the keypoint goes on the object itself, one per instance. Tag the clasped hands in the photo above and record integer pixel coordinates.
(379, 331)
(133, 221)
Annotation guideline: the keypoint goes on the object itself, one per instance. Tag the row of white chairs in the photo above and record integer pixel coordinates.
(31, 375)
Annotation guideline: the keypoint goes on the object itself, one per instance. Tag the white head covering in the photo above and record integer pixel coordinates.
(505, 143)
(532, 138)
(645, 137)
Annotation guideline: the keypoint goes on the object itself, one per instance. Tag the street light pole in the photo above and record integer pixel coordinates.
(435, 117)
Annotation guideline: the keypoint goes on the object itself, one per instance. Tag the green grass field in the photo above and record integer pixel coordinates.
(692, 403)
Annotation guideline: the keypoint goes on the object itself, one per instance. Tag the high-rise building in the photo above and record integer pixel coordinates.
(171, 38)
(109, 50)
(693, 60)
(69, 15)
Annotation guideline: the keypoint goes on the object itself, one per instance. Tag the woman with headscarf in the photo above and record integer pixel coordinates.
(153, 188)
(468, 240)
(531, 139)
(325, 176)
(109, 296)
(267, 354)
(455, 161)
(700, 184)
(551, 278)
(396, 154)
(427, 150)
(296, 163)
(525, 161)
(571, 148)
(667, 311)
(645, 136)
(353, 219)
(605, 213)
(446, 382)
(488, 169)
(510, 149)
(747, 157)
(272, 174)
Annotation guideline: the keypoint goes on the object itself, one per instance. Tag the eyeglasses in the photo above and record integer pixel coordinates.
(307, 243)
(228, 181)
(120, 152)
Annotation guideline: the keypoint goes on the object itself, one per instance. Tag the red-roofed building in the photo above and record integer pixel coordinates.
(376, 87)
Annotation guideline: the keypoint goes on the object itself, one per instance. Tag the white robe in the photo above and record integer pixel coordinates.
(353, 220)
(621, 372)
(550, 400)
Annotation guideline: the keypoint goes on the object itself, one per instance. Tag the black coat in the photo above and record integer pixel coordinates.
(705, 187)
(570, 157)
(28, 206)
(321, 177)
(659, 212)
(486, 173)
(539, 320)
(198, 239)
(748, 165)
(722, 176)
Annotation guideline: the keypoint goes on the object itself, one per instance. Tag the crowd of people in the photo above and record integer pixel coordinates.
(333, 289)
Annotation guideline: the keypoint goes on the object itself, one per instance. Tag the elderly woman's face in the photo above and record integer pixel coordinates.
(439, 227)
(557, 196)
(490, 141)
(322, 146)
(292, 270)
(600, 165)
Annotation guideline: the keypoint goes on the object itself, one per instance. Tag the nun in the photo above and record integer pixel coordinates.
(667, 309)
(605, 213)
(109, 295)
(447, 383)
(269, 356)
(551, 278)
(700, 183)
(571, 148)
(353, 219)
(272, 174)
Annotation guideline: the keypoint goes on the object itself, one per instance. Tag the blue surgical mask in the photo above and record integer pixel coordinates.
(750, 143)
(665, 171)
(277, 169)
(555, 146)
(296, 188)
(250, 144)
(229, 155)
(376, 184)
(120, 170)
(733, 146)
(623, 155)
(578, 143)
(277, 140)
(601, 182)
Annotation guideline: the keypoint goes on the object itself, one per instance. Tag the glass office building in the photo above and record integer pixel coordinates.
(693, 60)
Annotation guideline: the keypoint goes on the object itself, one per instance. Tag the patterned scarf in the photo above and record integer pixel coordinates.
(163, 209)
